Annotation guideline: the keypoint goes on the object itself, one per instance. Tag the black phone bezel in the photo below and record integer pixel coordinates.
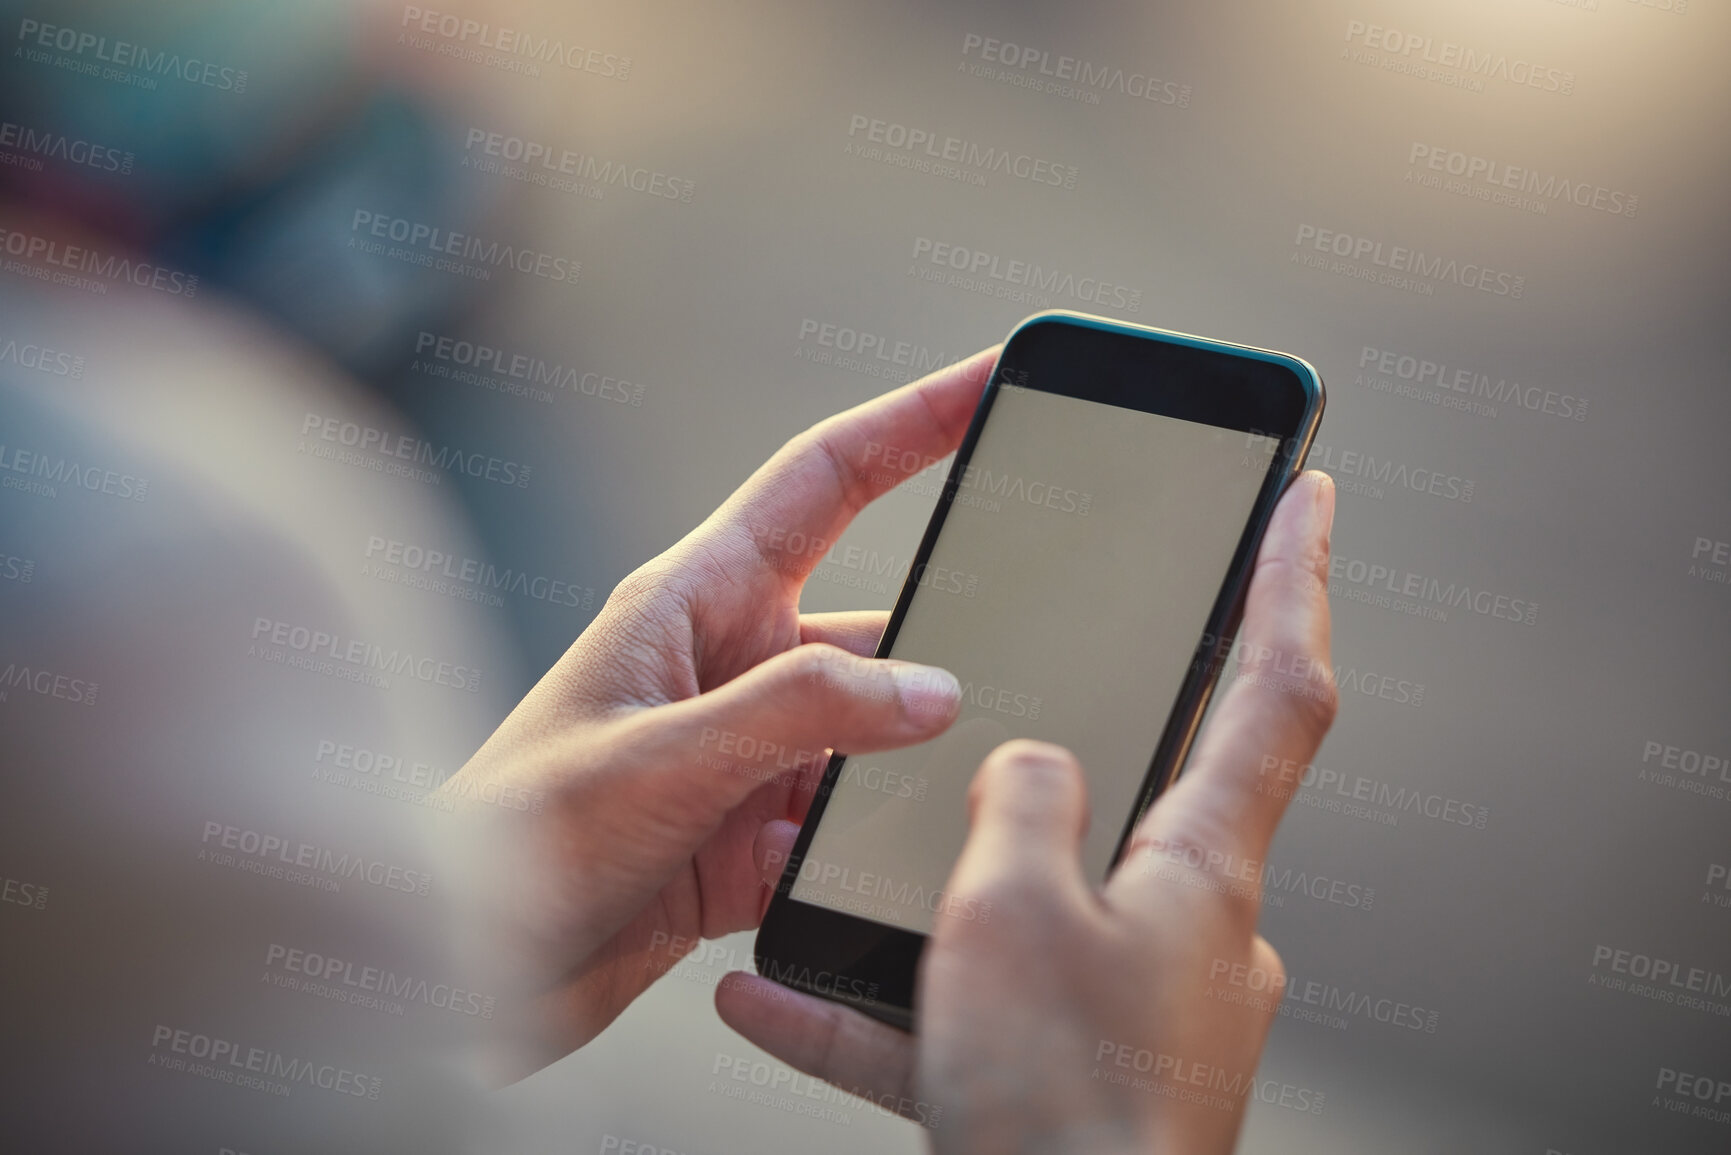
(873, 966)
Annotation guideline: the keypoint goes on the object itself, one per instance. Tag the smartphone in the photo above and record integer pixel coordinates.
(1082, 576)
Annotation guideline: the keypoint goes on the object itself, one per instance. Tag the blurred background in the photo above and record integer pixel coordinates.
(306, 307)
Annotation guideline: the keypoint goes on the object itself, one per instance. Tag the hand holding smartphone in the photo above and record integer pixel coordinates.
(1082, 576)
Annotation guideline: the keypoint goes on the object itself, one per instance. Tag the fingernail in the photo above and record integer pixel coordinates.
(926, 692)
(1319, 528)
(1323, 511)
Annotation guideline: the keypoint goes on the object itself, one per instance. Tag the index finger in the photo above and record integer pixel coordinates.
(789, 512)
(1231, 797)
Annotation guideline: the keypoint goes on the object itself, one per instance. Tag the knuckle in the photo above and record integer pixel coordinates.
(1306, 572)
(1009, 901)
(828, 678)
(1326, 703)
(816, 449)
(1269, 960)
(1271, 968)
(981, 910)
(1033, 787)
(819, 665)
(657, 579)
(1295, 673)
(1001, 890)
(797, 448)
(1241, 907)
(1204, 860)
(1313, 704)
(1020, 755)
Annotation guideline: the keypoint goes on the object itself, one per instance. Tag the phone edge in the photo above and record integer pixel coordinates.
(1153, 783)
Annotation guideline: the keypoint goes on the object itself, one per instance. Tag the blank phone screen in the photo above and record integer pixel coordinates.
(1067, 591)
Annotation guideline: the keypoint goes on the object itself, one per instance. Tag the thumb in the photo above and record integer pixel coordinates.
(1028, 812)
(667, 777)
(778, 722)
